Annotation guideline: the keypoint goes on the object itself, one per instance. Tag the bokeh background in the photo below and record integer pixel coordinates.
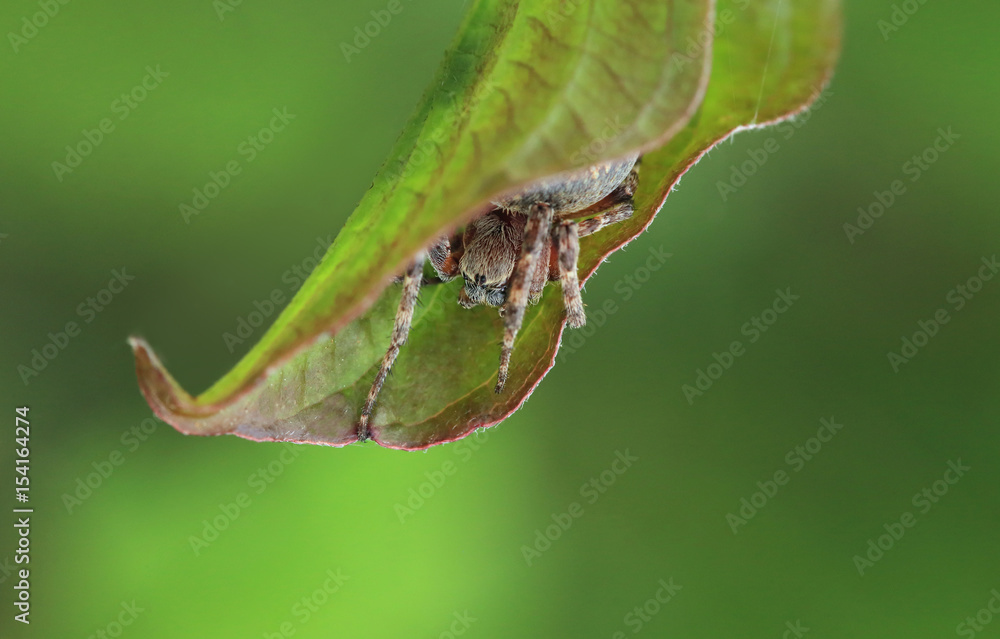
(456, 564)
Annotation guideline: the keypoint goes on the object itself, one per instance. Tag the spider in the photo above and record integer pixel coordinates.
(506, 256)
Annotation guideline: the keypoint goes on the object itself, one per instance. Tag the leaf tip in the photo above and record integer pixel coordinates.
(169, 401)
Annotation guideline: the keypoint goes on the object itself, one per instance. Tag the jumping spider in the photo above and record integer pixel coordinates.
(499, 253)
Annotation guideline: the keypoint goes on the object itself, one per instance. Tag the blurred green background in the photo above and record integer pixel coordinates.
(456, 564)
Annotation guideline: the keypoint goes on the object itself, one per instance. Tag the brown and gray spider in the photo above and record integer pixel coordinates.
(499, 253)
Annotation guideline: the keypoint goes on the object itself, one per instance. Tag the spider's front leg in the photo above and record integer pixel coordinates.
(445, 262)
(539, 223)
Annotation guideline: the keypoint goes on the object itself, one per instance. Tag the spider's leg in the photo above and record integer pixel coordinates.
(566, 237)
(567, 243)
(535, 230)
(620, 210)
(401, 329)
(444, 259)
(617, 213)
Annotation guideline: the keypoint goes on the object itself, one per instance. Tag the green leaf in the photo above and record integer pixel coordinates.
(527, 90)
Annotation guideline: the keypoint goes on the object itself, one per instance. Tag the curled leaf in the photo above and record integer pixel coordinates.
(528, 90)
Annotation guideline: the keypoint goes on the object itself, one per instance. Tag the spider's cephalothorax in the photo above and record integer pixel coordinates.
(490, 247)
(508, 255)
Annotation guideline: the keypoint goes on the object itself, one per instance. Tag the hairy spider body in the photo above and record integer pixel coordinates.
(570, 192)
(507, 256)
(490, 246)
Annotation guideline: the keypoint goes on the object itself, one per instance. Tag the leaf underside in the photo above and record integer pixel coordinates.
(605, 79)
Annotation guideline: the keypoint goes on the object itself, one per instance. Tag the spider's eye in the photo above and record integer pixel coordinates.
(478, 280)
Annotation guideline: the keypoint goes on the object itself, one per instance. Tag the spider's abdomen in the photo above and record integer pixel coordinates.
(571, 191)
